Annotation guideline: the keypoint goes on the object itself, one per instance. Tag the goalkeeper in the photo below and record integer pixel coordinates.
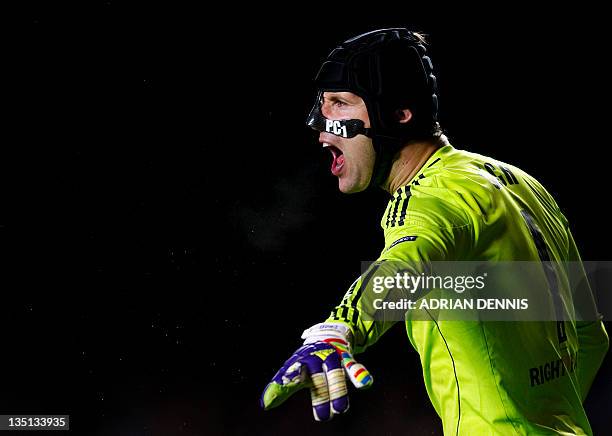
(376, 112)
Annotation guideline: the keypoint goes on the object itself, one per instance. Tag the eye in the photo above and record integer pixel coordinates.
(339, 103)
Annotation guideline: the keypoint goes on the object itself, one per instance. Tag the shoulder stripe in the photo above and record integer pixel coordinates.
(404, 207)
(398, 200)
(393, 212)
(433, 163)
(416, 180)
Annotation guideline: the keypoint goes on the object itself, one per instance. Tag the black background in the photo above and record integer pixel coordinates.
(176, 229)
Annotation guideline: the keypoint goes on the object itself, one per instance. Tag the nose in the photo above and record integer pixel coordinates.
(326, 109)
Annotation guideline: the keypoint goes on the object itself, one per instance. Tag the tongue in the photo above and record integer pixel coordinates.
(337, 164)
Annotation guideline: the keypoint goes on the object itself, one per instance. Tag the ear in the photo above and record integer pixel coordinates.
(403, 115)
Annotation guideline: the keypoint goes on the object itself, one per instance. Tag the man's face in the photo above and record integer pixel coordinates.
(353, 158)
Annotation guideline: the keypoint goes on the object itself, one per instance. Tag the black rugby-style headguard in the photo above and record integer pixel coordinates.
(390, 70)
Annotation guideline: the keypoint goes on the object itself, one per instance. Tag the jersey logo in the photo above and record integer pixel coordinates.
(400, 240)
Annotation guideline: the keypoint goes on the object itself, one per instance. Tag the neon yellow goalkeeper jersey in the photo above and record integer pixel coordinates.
(486, 377)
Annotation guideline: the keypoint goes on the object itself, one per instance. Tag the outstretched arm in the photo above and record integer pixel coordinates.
(326, 358)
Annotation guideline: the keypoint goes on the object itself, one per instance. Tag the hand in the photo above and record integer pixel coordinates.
(320, 364)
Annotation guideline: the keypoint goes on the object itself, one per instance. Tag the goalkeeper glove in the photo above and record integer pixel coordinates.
(321, 364)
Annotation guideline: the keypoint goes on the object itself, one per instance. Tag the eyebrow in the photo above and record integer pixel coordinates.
(336, 98)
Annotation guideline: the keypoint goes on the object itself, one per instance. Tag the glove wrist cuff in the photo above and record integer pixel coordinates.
(327, 330)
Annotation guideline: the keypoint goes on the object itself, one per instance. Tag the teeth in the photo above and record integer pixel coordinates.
(325, 144)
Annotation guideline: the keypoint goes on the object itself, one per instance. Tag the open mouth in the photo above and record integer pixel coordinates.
(338, 158)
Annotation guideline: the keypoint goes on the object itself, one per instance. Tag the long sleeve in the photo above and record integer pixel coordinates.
(413, 242)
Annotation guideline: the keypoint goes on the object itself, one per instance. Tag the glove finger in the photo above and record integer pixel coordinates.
(319, 393)
(287, 381)
(319, 396)
(336, 384)
(358, 374)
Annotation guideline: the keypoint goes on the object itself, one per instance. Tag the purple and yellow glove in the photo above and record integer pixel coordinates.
(321, 364)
